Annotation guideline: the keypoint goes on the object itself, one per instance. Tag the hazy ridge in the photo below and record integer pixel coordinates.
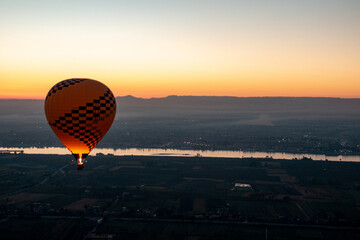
(198, 104)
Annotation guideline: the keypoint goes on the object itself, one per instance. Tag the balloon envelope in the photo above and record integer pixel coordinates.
(80, 111)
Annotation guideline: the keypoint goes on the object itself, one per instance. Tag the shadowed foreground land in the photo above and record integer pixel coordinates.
(44, 196)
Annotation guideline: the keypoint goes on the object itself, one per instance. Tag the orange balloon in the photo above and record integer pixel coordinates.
(80, 111)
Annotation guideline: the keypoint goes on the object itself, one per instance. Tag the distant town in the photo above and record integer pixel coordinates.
(328, 126)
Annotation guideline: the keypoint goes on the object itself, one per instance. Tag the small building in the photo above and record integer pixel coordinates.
(242, 186)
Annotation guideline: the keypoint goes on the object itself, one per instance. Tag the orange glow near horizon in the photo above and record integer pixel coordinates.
(275, 85)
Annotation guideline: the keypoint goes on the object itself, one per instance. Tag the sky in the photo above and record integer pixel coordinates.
(190, 47)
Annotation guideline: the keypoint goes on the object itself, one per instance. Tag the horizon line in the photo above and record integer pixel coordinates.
(219, 96)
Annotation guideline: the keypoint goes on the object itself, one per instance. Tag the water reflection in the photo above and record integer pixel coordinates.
(189, 153)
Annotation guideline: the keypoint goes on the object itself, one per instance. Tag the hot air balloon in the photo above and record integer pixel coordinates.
(80, 111)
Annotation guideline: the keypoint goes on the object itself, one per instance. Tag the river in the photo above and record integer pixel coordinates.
(190, 153)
